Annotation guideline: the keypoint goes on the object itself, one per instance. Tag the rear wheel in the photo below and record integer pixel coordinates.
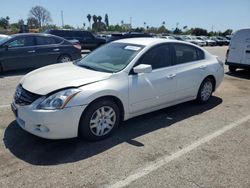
(232, 68)
(100, 120)
(64, 59)
(205, 91)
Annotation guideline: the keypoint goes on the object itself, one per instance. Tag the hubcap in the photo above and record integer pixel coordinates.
(206, 91)
(65, 59)
(102, 121)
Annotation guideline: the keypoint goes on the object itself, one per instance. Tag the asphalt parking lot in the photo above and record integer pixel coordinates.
(187, 145)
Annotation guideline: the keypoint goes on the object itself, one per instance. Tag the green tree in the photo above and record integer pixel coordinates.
(162, 29)
(33, 23)
(68, 27)
(4, 22)
(227, 32)
(199, 32)
(177, 31)
(94, 18)
(41, 14)
(89, 19)
(107, 20)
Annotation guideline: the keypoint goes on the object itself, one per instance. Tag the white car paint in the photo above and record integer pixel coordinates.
(139, 94)
(239, 49)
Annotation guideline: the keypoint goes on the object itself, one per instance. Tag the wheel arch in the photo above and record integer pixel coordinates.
(113, 98)
(213, 79)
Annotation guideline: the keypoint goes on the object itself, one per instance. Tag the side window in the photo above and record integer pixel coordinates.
(22, 42)
(45, 40)
(158, 57)
(187, 53)
(87, 35)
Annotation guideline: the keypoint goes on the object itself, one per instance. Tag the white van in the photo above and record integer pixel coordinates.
(238, 54)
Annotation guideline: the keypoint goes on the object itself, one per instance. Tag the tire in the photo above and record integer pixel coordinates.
(232, 68)
(105, 117)
(205, 91)
(64, 59)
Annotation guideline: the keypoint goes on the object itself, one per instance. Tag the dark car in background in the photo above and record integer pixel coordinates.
(117, 36)
(30, 50)
(87, 40)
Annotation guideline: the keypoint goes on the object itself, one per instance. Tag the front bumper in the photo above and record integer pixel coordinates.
(50, 124)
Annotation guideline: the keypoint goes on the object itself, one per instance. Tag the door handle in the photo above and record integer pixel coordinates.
(56, 49)
(171, 76)
(31, 51)
(203, 67)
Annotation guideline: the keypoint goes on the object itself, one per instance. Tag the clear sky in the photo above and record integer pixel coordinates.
(219, 14)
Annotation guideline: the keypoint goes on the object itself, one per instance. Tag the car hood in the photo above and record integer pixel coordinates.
(54, 77)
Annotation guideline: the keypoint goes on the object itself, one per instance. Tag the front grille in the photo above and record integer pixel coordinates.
(24, 97)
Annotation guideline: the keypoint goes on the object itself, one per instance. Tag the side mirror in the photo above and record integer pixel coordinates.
(142, 68)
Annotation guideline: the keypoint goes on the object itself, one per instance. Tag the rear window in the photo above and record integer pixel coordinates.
(187, 53)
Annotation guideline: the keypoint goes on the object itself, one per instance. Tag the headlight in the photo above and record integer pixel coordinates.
(58, 100)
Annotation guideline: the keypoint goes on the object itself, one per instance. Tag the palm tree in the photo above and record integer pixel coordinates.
(89, 19)
(144, 23)
(122, 22)
(163, 23)
(94, 17)
(99, 18)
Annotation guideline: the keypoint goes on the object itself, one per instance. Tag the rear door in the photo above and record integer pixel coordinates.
(21, 53)
(246, 51)
(48, 50)
(191, 69)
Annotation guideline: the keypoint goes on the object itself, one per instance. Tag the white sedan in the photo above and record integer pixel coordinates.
(116, 82)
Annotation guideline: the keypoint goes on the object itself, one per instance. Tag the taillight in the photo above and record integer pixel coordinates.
(78, 46)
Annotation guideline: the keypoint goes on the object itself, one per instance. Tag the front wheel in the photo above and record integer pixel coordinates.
(100, 120)
(205, 91)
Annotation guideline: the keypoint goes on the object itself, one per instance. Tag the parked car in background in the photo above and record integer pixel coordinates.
(194, 40)
(224, 39)
(116, 82)
(168, 37)
(3, 36)
(208, 41)
(219, 42)
(178, 37)
(31, 50)
(87, 40)
(238, 54)
(117, 36)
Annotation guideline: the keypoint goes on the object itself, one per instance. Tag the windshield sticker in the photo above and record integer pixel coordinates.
(134, 48)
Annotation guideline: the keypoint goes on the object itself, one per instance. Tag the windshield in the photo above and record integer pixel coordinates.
(112, 57)
(4, 39)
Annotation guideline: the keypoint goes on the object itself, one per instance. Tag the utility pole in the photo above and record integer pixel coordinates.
(130, 22)
(62, 18)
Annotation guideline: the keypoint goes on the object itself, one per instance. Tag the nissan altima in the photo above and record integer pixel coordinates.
(116, 82)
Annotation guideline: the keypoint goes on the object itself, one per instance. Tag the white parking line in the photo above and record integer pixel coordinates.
(5, 106)
(168, 158)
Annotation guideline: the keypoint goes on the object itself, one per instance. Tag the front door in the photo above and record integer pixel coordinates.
(21, 53)
(148, 90)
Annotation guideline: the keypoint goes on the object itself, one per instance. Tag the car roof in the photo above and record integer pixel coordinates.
(32, 34)
(147, 41)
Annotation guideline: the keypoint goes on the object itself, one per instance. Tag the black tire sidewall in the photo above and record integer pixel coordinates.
(84, 128)
(199, 98)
